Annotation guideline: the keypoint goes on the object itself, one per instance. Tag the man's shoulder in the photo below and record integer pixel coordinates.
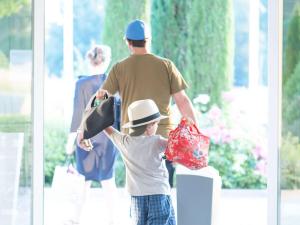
(121, 61)
(161, 58)
(149, 56)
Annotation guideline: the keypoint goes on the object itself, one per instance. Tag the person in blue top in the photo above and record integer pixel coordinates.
(97, 165)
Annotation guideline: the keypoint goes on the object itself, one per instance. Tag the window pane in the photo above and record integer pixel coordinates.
(290, 149)
(15, 112)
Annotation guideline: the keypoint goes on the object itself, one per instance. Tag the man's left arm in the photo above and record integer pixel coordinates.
(184, 105)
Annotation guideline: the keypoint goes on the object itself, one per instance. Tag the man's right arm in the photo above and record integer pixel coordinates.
(184, 105)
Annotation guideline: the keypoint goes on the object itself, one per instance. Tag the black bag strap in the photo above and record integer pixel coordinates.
(97, 101)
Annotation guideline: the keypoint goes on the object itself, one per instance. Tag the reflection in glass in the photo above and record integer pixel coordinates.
(290, 148)
(15, 112)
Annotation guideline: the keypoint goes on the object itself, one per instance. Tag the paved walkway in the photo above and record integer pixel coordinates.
(245, 207)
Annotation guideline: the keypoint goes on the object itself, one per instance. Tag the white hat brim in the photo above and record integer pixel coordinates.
(129, 124)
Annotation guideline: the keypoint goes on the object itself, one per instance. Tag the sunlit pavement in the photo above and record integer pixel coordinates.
(236, 207)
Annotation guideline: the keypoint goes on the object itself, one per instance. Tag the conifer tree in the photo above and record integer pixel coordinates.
(209, 47)
(292, 48)
(118, 13)
(169, 30)
(291, 76)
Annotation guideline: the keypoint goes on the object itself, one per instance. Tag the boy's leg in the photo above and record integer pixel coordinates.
(161, 211)
(139, 210)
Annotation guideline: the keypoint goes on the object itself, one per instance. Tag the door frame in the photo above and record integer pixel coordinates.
(275, 10)
(275, 19)
(38, 45)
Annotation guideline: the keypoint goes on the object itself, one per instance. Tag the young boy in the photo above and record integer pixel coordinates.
(146, 172)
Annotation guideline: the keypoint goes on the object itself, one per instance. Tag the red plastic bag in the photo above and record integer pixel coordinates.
(187, 146)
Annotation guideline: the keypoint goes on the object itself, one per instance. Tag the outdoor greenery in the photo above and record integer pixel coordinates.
(209, 48)
(291, 103)
(118, 13)
(169, 31)
(55, 142)
(199, 42)
(237, 150)
(290, 166)
(290, 146)
(236, 164)
(54, 151)
(3, 60)
(197, 35)
(22, 124)
(291, 76)
(9, 7)
(292, 47)
(15, 20)
(234, 152)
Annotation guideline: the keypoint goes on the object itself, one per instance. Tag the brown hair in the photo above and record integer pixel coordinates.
(137, 131)
(137, 43)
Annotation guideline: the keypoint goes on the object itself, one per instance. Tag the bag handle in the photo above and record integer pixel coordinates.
(69, 159)
(95, 102)
(184, 123)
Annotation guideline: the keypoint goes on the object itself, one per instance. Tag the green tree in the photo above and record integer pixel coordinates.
(289, 165)
(9, 7)
(118, 13)
(209, 47)
(15, 25)
(291, 102)
(169, 30)
(292, 47)
(291, 75)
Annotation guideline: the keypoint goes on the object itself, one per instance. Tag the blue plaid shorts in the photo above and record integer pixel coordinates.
(152, 210)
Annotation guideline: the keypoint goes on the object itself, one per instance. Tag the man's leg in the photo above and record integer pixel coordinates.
(171, 170)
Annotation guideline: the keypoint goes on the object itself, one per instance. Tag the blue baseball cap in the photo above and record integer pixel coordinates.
(137, 30)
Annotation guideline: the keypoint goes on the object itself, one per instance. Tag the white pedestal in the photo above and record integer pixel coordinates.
(198, 194)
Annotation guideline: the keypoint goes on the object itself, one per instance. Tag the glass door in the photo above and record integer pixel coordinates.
(15, 112)
(290, 144)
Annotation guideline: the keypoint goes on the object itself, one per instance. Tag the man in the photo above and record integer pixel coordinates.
(143, 75)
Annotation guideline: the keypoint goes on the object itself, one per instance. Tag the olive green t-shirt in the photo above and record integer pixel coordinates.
(146, 77)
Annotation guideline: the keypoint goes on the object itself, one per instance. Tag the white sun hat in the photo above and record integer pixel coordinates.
(143, 112)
